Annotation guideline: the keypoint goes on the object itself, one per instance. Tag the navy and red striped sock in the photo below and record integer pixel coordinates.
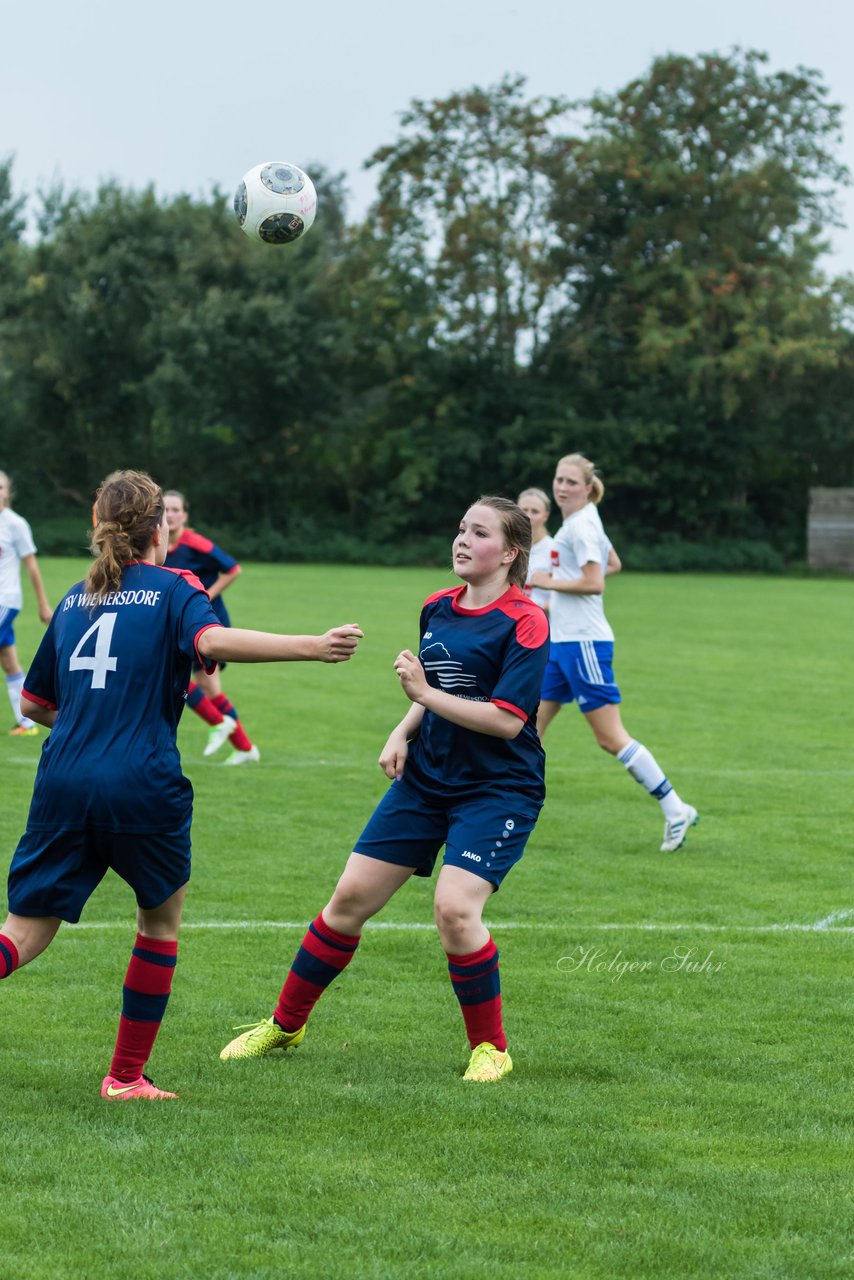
(9, 958)
(321, 957)
(198, 701)
(225, 705)
(144, 999)
(239, 739)
(477, 986)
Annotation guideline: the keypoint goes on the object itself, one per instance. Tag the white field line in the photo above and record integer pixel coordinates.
(578, 926)
(294, 762)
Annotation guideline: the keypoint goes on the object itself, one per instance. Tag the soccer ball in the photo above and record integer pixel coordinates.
(275, 202)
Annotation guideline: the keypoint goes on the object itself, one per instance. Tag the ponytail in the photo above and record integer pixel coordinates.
(589, 474)
(128, 510)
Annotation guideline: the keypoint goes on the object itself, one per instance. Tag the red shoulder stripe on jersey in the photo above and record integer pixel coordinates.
(532, 624)
(508, 706)
(189, 578)
(190, 538)
(209, 664)
(446, 591)
(40, 702)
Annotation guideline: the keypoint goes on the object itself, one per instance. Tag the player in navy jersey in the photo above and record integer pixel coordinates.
(467, 772)
(109, 680)
(580, 665)
(216, 570)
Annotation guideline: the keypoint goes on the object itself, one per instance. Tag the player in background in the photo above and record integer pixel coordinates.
(537, 507)
(16, 548)
(216, 570)
(582, 653)
(109, 681)
(466, 769)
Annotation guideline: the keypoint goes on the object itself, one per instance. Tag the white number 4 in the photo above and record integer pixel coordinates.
(101, 660)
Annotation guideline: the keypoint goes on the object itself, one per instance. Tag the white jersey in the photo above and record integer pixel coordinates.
(16, 541)
(580, 540)
(540, 561)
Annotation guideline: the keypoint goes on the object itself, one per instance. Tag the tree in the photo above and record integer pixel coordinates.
(12, 221)
(463, 200)
(692, 220)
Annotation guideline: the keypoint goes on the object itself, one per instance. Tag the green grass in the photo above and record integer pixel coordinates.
(660, 1123)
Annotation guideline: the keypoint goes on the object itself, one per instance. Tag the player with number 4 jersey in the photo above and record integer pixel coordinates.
(111, 760)
(109, 680)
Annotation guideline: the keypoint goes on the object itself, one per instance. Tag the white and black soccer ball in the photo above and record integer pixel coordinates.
(275, 202)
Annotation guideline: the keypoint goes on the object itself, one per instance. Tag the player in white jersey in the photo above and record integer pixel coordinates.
(582, 643)
(16, 548)
(537, 506)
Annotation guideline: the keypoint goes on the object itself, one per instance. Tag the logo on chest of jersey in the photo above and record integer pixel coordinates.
(450, 675)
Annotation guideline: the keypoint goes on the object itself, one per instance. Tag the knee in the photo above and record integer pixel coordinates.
(453, 920)
(349, 905)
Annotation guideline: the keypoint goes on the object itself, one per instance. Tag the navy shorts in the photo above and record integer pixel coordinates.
(54, 873)
(485, 834)
(581, 671)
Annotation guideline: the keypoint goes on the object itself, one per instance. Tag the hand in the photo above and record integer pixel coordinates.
(542, 580)
(393, 756)
(339, 644)
(411, 675)
(46, 613)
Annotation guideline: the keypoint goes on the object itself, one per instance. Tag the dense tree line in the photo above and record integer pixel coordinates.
(644, 287)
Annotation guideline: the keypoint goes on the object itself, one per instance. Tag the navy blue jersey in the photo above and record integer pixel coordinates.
(207, 561)
(118, 676)
(496, 654)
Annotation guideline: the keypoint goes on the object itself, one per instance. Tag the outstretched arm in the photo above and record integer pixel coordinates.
(234, 644)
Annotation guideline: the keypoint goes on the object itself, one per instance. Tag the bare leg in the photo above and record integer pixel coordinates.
(9, 660)
(163, 921)
(366, 885)
(30, 934)
(546, 713)
(608, 728)
(458, 907)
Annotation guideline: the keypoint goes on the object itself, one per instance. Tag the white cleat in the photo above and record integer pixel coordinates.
(219, 734)
(676, 832)
(243, 757)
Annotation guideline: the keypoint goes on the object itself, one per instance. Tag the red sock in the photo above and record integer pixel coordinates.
(238, 739)
(476, 984)
(321, 957)
(144, 998)
(202, 705)
(9, 958)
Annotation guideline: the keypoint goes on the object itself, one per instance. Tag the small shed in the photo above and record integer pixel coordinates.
(830, 529)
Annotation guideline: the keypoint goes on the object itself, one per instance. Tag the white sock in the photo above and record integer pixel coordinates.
(645, 769)
(14, 688)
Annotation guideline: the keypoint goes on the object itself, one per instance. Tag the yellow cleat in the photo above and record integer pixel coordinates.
(488, 1064)
(262, 1038)
(24, 731)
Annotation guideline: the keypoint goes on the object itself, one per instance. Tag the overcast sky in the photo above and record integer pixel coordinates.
(188, 94)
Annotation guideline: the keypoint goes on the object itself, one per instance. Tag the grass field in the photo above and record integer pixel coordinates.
(662, 1119)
